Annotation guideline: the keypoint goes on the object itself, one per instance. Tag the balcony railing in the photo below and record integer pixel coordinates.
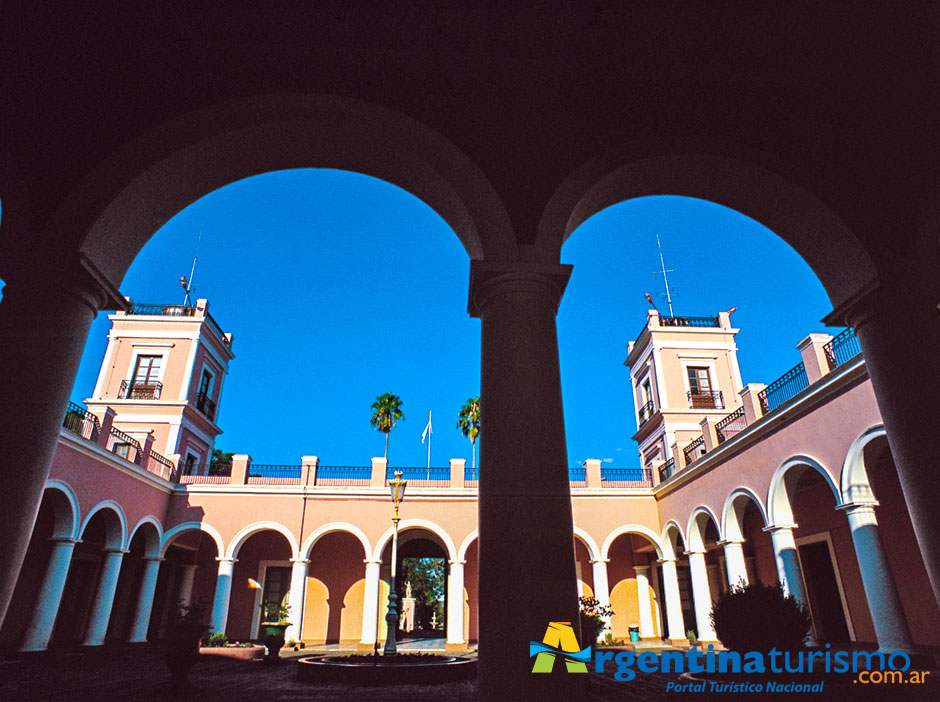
(82, 422)
(842, 348)
(689, 322)
(215, 325)
(577, 476)
(471, 475)
(706, 400)
(626, 477)
(124, 445)
(205, 405)
(667, 469)
(421, 477)
(140, 391)
(206, 473)
(783, 388)
(162, 310)
(160, 465)
(343, 475)
(729, 427)
(695, 450)
(273, 474)
(646, 411)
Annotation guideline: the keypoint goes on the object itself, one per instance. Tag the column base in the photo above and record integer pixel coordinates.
(679, 643)
(365, 647)
(456, 648)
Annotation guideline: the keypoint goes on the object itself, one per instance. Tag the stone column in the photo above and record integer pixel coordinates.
(734, 561)
(298, 587)
(148, 586)
(455, 607)
(104, 598)
(223, 593)
(527, 570)
(39, 629)
(899, 334)
(887, 615)
(701, 596)
(788, 562)
(647, 631)
(601, 583)
(674, 624)
(44, 323)
(185, 589)
(370, 606)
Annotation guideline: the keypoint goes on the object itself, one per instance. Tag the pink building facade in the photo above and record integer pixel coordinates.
(790, 482)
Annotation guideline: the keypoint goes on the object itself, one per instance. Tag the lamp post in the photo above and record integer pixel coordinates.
(397, 488)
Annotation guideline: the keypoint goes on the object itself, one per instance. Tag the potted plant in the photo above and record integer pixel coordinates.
(593, 615)
(185, 630)
(273, 623)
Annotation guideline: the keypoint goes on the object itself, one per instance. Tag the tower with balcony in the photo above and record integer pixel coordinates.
(161, 381)
(683, 371)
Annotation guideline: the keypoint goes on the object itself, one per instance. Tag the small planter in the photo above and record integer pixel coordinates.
(272, 636)
(240, 653)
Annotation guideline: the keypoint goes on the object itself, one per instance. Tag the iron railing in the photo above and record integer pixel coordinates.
(667, 469)
(160, 465)
(215, 325)
(646, 411)
(694, 450)
(82, 422)
(419, 477)
(343, 475)
(783, 388)
(471, 474)
(842, 348)
(577, 474)
(124, 445)
(689, 322)
(626, 477)
(706, 400)
(729, 427)
(205, 405)
(162, 310)
(140, 391)
(274, 474)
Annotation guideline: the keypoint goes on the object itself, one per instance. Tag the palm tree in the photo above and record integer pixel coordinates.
(468, 421)
(386, 411)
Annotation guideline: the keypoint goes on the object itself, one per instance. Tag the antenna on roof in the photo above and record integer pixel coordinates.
(188, 283)
(664, 271)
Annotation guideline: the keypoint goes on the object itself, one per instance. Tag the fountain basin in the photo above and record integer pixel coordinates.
(386, 670)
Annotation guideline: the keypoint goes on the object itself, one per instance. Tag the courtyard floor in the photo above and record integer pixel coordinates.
(138, 674)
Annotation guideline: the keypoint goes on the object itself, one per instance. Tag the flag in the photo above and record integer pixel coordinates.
(427, 429)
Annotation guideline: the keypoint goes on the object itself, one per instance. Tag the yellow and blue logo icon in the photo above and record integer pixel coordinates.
(559, 641)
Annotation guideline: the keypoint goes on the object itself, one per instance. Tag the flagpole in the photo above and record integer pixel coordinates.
(430, 436)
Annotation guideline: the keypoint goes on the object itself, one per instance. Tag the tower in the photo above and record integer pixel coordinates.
(163, 372)
(683, 370)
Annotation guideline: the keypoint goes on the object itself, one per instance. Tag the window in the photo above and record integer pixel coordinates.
(203, 401)
(205, 385)
(148, 370)
(190, 465)
(699, 381)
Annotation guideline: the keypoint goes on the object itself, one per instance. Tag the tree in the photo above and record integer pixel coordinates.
(386, 413)
(468, 421)
(427, 577)
(220, 456)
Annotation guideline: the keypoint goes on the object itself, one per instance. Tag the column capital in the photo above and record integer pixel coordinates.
(858, 507)
(64, 540)
(489, 278)
(115, 551)
(156, 559)
(731, 542)
(599, 560)
(692, 552)
(779, 528)
(370, 561)
(459, 563)
(666, 560)
(861, 308)
(305, 561)
(641, 568)
(226, 559)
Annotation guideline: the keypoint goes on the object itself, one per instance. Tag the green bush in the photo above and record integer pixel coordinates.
(592, 614)
(759, 617)
(217, 640)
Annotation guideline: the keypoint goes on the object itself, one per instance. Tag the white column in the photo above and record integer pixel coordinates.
(601, 584)
(788, 561)
(148, 585)
(734, 561)
(701, 596)
(104, 598)
(39, 629)
(643, 600)
(298, 586)
(185, 589)
(674, 622)
(887, 615)
(223, 593)
(370, 604)
(455, 604)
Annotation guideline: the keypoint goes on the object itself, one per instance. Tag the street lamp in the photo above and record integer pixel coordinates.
(397, 488)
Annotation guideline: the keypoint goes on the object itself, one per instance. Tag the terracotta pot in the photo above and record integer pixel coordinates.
(272, 636)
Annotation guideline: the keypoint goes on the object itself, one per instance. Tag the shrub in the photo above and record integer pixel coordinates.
(592, 614)
(217, 640)
(759, 617)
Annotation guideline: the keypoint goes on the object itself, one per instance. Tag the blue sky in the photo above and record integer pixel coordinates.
(339, 287)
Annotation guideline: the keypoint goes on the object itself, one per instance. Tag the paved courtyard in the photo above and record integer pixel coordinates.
(138, 675)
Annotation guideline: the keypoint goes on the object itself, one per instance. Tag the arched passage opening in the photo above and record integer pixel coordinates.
(744, 534)
(335, 590)
(38, 593)
(187, 577)
(260, 583)
(635, 581)
(143, 550)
